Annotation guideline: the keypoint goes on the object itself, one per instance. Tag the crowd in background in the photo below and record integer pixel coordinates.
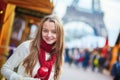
(96, 59)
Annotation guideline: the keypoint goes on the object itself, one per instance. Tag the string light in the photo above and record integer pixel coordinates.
(1, 11)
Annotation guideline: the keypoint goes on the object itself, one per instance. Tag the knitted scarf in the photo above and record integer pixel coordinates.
(45, 65)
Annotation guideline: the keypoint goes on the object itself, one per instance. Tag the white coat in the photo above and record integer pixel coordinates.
(16, 60)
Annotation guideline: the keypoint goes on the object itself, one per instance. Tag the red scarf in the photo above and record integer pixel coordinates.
(45, 65)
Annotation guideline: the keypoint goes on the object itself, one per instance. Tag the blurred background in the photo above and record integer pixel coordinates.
(92, 33)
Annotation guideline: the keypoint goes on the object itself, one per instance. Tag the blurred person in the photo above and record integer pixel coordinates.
(86, 59)
(40, 58)
(108, 59)
(75, 56)
(101, 61)
(67, 58)
(115, 72)
(81, 57)
(70, 57)
(94, 60)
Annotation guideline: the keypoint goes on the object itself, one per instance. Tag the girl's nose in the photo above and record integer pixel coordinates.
(49, 34)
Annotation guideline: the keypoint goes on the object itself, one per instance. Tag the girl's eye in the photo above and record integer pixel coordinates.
(54, 32)
(44, 30)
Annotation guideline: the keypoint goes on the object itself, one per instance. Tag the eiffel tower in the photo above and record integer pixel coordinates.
(92, 15)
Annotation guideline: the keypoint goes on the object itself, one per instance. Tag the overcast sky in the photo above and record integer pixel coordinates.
(111, 15)
(112, 18)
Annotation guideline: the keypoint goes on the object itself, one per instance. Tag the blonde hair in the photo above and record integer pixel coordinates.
(32, 58)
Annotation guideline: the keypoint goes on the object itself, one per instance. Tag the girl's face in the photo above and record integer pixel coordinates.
(49, 32)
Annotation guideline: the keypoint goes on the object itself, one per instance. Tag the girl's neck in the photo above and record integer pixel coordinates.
(45, 46)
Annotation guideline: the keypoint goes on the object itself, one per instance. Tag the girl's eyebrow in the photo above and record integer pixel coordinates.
(44, 28)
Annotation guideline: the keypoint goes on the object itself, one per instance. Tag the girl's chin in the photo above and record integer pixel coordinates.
(50, 43)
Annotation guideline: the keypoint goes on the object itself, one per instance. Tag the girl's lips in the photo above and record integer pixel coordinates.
(48, 39)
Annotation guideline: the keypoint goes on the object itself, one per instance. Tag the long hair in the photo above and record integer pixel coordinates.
(31, 60)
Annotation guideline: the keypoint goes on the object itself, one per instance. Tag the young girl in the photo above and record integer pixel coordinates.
(40, 58)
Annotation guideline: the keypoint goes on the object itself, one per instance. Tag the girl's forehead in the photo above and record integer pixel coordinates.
(48, 25)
